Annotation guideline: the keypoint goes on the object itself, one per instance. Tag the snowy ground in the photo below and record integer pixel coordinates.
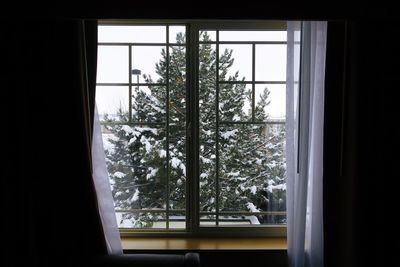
(178, 222)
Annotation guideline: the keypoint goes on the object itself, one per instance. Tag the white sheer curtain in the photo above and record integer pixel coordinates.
(103, 190)
(304, 131)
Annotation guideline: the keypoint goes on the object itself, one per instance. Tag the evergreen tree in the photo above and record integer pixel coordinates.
(252, 166)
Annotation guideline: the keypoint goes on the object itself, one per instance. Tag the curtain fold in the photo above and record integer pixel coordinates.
(105, 204)
(304, 131)
(103, 190)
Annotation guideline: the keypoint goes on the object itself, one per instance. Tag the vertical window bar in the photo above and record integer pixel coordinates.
(217, 130)
(253, 85)
(194, 130)
(191, 156)
(167, 125)
(130, 84)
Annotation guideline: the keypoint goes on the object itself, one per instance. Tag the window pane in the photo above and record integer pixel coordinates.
(207, 36)
(112, 64)
(141, 220)
(235, 102)
(272, 218)
(148, 104)
(270, 62)
(136, 164)
(177, 34)
(238, 220)
(132, 34)
(150, 60)
(177, 73)
(207, 220)
(278, 217)
(207, 67)
(177, 220)
(252, 171)
(270, 102)
(112, 103)
(252, 35)
(235, 62)
(249, 164)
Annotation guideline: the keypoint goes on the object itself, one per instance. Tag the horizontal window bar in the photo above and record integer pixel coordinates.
(251, 82)
(142, 44)
(205, 213)
(112, 84)
(150, 210)
(133, 123)
(156, 231)
(226, 24)
(253, 122)
(132, 84)
(139, 22)
(245, 42)
(245, 213)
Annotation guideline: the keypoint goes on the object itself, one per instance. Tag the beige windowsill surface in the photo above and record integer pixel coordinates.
(168, 243)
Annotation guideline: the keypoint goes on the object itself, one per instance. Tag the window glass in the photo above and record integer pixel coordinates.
(270, 62)
(132, 34)
(207, 36)
(149, 60)
(240, 177)
(235, 102)
(252, 36)
(111, 102)
(235, 62)
(112, 64)
(242, 160)
(177, 34)
(271, 98)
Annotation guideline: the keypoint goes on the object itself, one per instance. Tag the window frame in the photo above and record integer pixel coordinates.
(193, 228)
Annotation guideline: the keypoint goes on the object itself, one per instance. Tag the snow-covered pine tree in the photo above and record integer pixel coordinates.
(139, 181)
(177, 118)
(252, 165)
(251, 157)
(135, 169)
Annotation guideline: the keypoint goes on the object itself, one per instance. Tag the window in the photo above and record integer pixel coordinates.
(193, 122)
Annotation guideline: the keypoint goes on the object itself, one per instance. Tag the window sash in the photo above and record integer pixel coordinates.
(192, 123)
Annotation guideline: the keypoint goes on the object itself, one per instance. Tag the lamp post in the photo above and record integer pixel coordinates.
(136, 72)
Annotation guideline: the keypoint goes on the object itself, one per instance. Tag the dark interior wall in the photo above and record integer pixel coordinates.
(48, 206)
(376, 115)
(232, 258)
(361, 142)
(48, 212)
(206, 9)
(338, 191)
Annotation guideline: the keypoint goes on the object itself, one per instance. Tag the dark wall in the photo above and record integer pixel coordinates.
(48, 212)
(48, 207)
(206, 9)
(232, 258)
(361, 142)
(375, 112)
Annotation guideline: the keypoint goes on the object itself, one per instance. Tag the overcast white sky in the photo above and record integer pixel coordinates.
(113, 62)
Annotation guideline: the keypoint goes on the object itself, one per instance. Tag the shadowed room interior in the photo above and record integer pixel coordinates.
(49, 209)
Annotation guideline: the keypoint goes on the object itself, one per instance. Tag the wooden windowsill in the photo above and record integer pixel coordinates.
(175, 243)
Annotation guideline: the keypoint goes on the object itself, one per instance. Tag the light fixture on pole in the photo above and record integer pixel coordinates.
(137, 73)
